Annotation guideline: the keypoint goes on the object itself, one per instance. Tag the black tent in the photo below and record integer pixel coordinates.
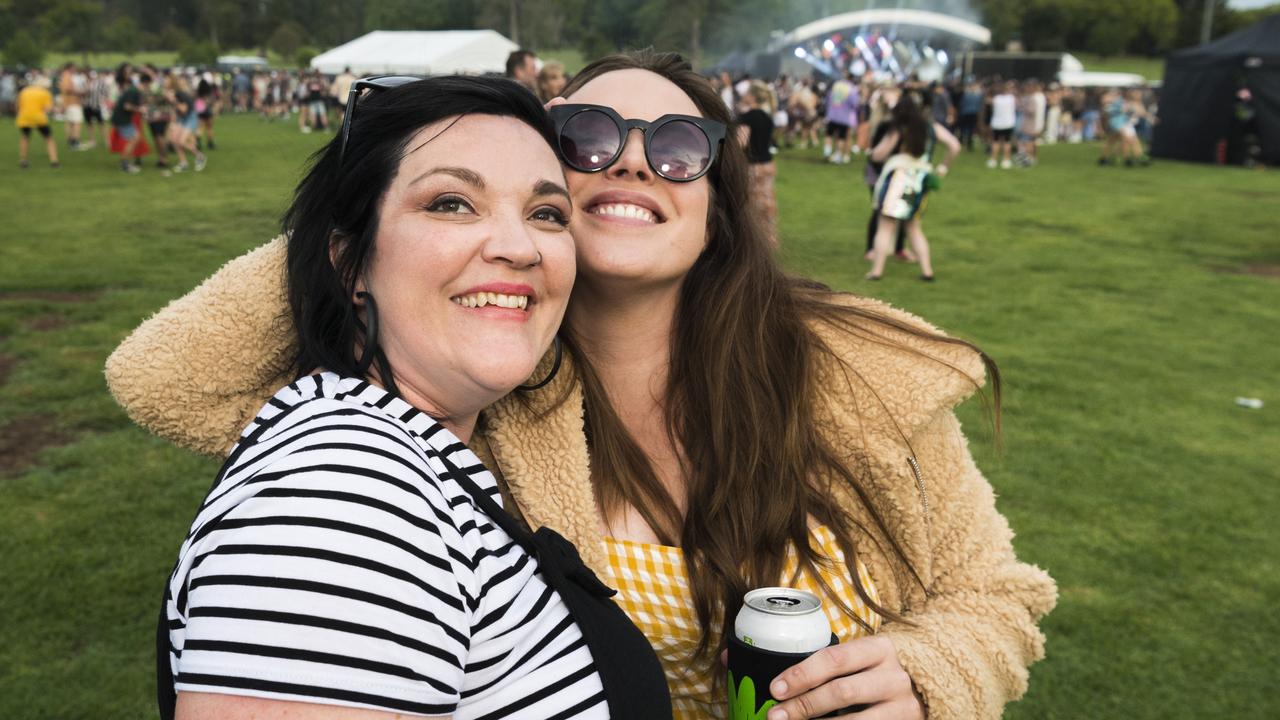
(1200, 117)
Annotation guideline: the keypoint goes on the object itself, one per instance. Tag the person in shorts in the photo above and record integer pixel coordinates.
(34, 103)
(159, 113)
(207, 97)
(842, 117)
(182, 131)
(97, 92)
(129, 102)
(71, 91)
(1004, 115)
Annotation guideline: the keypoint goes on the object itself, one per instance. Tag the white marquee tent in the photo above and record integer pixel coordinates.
(413, 52)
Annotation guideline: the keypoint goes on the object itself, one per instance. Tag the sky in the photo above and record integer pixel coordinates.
(1247, 4)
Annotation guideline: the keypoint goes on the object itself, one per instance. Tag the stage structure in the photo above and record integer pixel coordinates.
(882, 41)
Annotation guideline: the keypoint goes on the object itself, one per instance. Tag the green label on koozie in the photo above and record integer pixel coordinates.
(742, 700)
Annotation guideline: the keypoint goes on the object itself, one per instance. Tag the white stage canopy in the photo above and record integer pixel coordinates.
(414, 52)
(882, 17)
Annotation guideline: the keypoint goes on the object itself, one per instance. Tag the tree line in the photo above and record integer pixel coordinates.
(199, 29)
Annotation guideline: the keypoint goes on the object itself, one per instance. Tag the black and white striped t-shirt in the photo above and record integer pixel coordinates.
(335, 561)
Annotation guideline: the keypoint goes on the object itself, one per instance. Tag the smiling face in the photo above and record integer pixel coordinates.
(633, 228)
(472, 263)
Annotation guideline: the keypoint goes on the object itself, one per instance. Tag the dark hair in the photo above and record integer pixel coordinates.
(739, 402)
(516, 59)
(338, 201)
(909, 121)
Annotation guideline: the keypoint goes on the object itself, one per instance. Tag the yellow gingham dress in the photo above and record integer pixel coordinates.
(653, 590)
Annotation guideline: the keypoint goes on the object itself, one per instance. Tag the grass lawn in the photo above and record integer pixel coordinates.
(1151, 68)
(1127, 309)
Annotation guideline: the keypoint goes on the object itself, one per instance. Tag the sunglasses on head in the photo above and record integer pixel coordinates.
(372, 84)
(679, 148)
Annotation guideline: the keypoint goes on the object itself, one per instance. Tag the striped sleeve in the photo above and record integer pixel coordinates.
(327, 575)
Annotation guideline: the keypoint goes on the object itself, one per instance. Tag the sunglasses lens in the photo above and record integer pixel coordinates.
(589, 140)
(680, 150)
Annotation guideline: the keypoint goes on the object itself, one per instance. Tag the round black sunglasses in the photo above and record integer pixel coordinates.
(679, 148)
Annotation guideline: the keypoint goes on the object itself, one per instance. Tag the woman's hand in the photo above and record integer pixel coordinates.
(860, 672)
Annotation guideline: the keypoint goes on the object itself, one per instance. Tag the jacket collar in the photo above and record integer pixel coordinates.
(539, 445)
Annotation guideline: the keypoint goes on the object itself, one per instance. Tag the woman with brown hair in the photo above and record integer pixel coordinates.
(715, 425)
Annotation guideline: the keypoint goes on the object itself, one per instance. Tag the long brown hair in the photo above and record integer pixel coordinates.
(739, 402)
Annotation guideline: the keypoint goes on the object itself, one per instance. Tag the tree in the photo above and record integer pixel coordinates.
(22, 50)
(198, 53)
(304, 56)
(74, 25)
(287, 39)
(123, 35)
(173, 37)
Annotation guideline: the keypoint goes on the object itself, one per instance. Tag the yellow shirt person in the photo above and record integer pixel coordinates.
(34, 104)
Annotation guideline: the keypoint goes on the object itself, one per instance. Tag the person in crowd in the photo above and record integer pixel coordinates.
(207, 101)
(339, 90)
(129, 103)
(8, 92)
(34, 103)
(970, 107)
(745, 427)
(241, 90)
(317, 103)
(354, 558)
(842, 116)
(551, 80)
(72, 86)
(904, 184)
(728, 91)
(1004, 116)
(96, 107)
(942, 109)
(159, 111)
(1024, 132)
(260, 84)
(182, 131)
(803, 111)
(1053, 118)
(1122, 112)
(882, 110)
(522, 66)
(1070, 118)
(862, 136)
(780, 93)
(1091, 117)
(755, 133)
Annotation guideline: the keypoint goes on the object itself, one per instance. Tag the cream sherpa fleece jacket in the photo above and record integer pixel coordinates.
(199, 370)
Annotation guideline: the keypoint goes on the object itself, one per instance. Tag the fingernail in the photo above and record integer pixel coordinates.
(777, 714)
(778, 688)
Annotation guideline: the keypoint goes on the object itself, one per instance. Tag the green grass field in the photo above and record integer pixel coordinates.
(1126, 308)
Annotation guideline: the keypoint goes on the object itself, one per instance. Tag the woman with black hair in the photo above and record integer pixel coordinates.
(353, 558)
(908, 174)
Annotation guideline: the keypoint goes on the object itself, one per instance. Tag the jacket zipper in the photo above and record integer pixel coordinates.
(924, 492)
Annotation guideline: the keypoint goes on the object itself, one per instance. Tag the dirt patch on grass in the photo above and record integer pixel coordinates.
(1267, 270)
(46, 322)
(22, 439)
(58, 296)
(7, 364)
(1271, 270)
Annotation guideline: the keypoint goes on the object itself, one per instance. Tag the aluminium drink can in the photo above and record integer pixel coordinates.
(783, 620)
(776, 628)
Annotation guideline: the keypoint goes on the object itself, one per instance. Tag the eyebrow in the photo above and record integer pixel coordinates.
(542, 187)
(467, 176)
(546, 187)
